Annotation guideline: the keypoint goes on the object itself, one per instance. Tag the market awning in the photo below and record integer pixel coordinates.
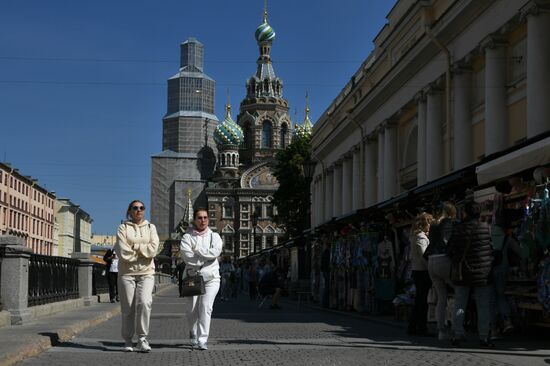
(530, 156)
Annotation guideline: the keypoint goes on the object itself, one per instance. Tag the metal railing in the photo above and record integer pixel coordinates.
(100, 283)
(52, 279)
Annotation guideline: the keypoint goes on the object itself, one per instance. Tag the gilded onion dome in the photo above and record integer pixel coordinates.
(306, 128)
(228, 132)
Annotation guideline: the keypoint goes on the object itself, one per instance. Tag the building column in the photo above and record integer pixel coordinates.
(380, 166)
(421, 139)
(318, 201)
(321, 206)
(496, 104)
(370, 187)
(434, 133)
(346, 185)
(462, 117)
(329, 177)
(390, 159)
(337, 190)
(356, 201)
(538, 70)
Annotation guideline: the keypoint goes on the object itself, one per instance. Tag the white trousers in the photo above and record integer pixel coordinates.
(136, 298)
(200, 311)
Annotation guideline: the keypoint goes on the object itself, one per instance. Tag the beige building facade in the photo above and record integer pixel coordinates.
(74, 227)
(103, 240)
(26, 210)
(449, 83)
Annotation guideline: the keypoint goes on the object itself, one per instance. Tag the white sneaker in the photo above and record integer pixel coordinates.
(143, 345)
(128, 346)
(202, 346)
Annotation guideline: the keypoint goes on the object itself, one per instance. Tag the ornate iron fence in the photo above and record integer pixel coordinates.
(100, 283)
(52, 279)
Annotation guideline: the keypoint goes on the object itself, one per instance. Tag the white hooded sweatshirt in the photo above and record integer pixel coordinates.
(136, 246)
(201, 251)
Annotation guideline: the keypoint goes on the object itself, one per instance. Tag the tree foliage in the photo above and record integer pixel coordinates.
(292, 198)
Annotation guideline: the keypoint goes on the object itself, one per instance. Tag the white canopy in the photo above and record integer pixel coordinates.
(527, 157)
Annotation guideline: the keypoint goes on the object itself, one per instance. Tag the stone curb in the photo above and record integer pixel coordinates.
(37, 344)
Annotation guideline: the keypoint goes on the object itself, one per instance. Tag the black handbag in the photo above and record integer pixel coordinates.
(193, 286)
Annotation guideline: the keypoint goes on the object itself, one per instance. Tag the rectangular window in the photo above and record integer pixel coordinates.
(269, 211)
(258, 210)
(228, 210)
(228, 242)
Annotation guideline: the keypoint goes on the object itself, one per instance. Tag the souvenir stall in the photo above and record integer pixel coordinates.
(519, 208)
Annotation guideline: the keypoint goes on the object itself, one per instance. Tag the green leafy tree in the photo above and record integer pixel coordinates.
(292, 198)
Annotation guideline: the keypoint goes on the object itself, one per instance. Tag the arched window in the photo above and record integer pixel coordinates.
(233, 162)
(223, 159)
(284, 136)
(266, 134)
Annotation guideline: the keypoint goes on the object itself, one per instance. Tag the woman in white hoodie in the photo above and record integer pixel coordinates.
(137, 244)
(200, 249)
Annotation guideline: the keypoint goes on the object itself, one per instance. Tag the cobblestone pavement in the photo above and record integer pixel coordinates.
(242, 334)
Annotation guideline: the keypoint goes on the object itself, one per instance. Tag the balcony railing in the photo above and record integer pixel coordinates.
(52, 279)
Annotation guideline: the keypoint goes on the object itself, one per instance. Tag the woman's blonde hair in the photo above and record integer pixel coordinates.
(422, 222)
(448, 211)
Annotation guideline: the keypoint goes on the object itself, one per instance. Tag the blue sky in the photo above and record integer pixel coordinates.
(83, 83)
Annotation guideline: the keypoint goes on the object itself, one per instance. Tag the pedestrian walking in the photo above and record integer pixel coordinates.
(439, 264)
(472, 258)
(111, 271)
(227, 270)
(421, 278)
(200, 249)
(137, 244)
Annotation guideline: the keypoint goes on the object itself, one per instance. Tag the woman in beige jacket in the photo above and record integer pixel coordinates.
(137, 244)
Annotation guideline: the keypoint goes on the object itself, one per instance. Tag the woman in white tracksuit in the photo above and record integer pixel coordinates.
(200, 249)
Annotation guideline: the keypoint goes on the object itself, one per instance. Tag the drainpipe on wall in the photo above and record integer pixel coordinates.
(445, 50)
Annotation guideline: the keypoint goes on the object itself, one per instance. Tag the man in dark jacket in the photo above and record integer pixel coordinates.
(471, 253)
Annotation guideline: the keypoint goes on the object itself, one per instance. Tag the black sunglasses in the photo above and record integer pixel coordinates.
(138, 208)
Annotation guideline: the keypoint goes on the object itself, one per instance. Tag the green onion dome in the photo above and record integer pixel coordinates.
(264, 33)
(228, 132)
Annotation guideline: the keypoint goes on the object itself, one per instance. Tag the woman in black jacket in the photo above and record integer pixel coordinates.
(471, 253)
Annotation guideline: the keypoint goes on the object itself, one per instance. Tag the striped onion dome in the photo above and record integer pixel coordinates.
(228, 132)
(264, 33)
